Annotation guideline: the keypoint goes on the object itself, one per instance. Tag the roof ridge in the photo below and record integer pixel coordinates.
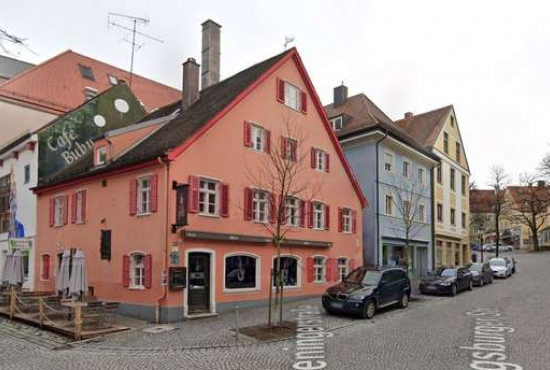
(437, 110)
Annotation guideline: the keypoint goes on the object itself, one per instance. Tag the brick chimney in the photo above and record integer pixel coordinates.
(190, 89)
(408, 115)
(541, 183)
(340, 95)
(210, 54)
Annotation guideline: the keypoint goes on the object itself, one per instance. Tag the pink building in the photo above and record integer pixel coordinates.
(120, 205)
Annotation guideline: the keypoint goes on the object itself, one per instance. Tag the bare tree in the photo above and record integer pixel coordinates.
(532, 205)
(499, 181)
(279, 177)
(544, 166)
(409, 195)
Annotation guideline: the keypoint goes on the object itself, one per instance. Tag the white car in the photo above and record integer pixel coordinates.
(491, 247)
(500, 268)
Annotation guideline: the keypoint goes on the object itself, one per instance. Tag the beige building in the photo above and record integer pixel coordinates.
(438, 130)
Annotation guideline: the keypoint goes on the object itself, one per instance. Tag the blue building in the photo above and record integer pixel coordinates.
(396, 175)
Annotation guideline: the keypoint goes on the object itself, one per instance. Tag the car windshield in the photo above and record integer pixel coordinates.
(367, 277)
(497, 263)
(476, 267)
(448, 272)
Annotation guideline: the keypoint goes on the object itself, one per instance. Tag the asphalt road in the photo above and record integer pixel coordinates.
(505, 326)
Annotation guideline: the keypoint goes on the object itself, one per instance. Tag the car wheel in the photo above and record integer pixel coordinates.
(369, 311)
(471, 285)
(453, 290)
(404, 301)
(482, 282)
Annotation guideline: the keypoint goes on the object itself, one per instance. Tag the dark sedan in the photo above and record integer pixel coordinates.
(481, 273)
(447, 281)
(364, 291)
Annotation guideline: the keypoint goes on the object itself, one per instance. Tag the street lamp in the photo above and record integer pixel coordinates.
(481, 231)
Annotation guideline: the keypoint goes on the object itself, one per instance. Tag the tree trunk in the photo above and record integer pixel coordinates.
(497, 230)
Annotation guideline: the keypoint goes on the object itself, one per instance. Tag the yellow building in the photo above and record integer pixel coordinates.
(438, 130)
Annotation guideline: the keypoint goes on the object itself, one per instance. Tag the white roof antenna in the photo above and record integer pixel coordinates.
(288, 40)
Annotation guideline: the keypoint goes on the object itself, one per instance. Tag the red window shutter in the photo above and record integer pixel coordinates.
(310, 270)
(340, 219)
(313, 158)
(248, 194)
(353, 221)
(327, 162)
(303, 102)
(283, 147)
(280, 90)
(46, 267)
(247, 134)
(267, 146)
(52, 212)
(302, 213)
(335, 271)
(73, 207)
(154, 192)
(193, 194)
(66, 211)
(311, 214)
(133, 197)
(272, 208)
(329, 269)
(148, 271)
(83, 216)
(327, 217)
(224, 212)
(294, 151)
(126, 271)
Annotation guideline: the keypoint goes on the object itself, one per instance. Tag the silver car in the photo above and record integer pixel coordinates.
(501, 268)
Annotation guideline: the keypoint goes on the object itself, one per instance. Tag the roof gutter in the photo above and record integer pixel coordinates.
(166, 163)
(377, 249)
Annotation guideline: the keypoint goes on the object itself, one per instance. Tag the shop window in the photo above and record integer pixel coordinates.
(289, 269)
(240, 272)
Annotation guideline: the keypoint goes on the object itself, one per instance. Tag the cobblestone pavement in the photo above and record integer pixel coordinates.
(427, 335)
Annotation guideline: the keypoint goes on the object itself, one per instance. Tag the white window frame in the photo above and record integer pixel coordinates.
(289, 145)
(343, 269)
(452, 215)
(442, 213)
(320, 160)
(389, 199)
(319, 269)
(298, 270)
(99, 153)
(347, 220)
(135, 273)
(206, 192)
(257, 278)
(79, 206)
(143, 195)
(452, 179)
(337, 123)
(422, 176)
(59, 210)
(292, 219)
(258, 137)
(260, 198)
(406, 169)
(293, 96)
(390, 163)
(422, 212)
(319, 210)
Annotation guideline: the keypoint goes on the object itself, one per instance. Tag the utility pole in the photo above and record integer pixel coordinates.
(133, 29)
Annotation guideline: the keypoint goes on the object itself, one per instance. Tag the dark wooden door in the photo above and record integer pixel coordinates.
(198, 292)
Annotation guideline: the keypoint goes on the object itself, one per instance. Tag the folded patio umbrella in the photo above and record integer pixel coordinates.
(6, 268)
(16, 272)
(78, 282)
(62, 280)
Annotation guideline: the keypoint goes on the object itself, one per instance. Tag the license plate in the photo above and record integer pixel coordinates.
(337, 304)
(429, 287)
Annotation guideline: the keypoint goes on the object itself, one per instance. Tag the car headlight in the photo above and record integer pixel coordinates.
(356, 298)
(446, 283)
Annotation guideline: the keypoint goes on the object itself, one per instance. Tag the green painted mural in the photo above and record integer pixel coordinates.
(70, 137)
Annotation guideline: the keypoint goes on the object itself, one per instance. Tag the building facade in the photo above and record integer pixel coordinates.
(165, 254)
(438, 130)
(395, 171)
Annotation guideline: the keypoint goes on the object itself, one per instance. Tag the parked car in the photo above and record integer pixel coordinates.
(481, 273)
(447, 281)
(491, 247)
(474, 246)
(512, 262)
(364, 291)
(501, 268)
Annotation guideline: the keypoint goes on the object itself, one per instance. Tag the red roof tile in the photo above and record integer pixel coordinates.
(57, 84)
(481, 201)
(425, 127)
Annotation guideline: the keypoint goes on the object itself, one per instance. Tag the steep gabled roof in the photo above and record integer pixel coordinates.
(481, 200)
(520, 194)
(185, 127)
(362, 115)
(426, 127)
(57, 85)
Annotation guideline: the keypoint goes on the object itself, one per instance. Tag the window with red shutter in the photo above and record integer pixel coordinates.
(340, 219)
(126, 271)
(66, 210)
(45, 267)
(193, 194)
(154, 192)
(132, 197)
(247, 133)
(335, 270)
(327, 162)
(311, 213)
(267, 141)
(310, 270)
(148, 271)
(272, 208)
(248, 194)
(313, 158)
(353, 221)
(294, 151)
(329, 269)
(73, 208)
(224, 209)
(303, 213)
(52, 212)
(83, 207)
(284, 147)
(303, 102)
(327, 217)
(280, 90)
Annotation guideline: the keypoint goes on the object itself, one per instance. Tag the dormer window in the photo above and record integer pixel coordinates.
(101, 156)
(86, 72)
(113, 80)
(291, 96)
(337, 123)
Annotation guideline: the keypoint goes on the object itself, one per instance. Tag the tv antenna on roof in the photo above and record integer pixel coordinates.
(133, 28)
(6, 36)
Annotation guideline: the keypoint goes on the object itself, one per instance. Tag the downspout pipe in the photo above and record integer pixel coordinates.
(166, 164)
(377, 249)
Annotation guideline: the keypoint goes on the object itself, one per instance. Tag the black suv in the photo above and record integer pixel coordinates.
(364, 291)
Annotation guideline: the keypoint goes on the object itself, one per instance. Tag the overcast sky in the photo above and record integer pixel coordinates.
(491, 59)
